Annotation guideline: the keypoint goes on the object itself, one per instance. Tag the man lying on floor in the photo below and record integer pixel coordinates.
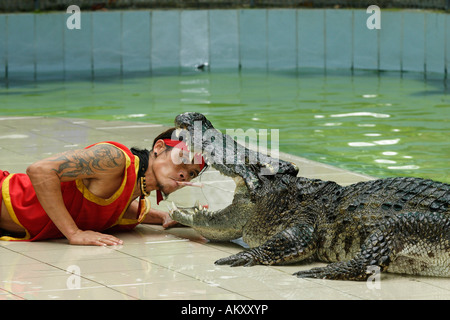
(81, 193)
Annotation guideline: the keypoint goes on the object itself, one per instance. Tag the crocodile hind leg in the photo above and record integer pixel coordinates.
(293, 244)
(376, 251)
(412, 243)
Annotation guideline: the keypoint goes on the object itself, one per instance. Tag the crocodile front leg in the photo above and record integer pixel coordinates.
(291, 245)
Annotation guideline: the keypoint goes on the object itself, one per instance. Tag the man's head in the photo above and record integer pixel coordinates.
(170, 161)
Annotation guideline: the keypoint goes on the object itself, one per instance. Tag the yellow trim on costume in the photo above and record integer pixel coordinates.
(125, 222)
(119, 220)
(148, 206)
(144, 212)
(9, 207)
(96, 199)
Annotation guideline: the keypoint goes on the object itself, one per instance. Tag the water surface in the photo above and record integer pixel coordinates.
(373, 123)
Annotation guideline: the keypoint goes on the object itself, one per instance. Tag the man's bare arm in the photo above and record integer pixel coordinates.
(98, 162)
(86, 163)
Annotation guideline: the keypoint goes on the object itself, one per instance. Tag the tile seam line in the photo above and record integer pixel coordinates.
(10, 292)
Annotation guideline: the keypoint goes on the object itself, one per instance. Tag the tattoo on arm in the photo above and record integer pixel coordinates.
(88, 162)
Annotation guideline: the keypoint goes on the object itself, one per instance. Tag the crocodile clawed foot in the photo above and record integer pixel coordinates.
(345, 270)
(316, 273)
(244, 258)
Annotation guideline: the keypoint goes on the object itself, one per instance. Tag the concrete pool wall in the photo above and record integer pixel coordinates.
(32, 46)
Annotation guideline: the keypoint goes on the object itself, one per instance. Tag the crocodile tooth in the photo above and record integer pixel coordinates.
(178, 132)
(174, 207)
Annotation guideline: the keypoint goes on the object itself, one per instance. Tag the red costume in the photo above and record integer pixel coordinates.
(87, 210)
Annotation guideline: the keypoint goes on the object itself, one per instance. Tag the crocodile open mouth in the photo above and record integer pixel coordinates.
(224, 154)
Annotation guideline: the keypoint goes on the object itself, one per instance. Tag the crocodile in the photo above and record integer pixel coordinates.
(399, 225)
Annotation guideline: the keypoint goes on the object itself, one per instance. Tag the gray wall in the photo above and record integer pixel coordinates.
(118, 42)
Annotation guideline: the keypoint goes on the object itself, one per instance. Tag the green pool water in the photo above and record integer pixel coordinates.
(373, 123)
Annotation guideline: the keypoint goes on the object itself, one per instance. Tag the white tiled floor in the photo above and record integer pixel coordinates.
(154, 263)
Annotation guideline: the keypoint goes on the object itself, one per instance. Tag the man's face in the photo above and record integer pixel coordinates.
(171, 166)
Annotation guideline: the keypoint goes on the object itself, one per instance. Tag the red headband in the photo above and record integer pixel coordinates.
(198, 159)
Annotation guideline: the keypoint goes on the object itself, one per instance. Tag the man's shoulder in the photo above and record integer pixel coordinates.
(114, 144)
(110, 155)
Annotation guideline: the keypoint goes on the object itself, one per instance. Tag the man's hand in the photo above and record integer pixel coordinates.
(163, 218)
(93, 238)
